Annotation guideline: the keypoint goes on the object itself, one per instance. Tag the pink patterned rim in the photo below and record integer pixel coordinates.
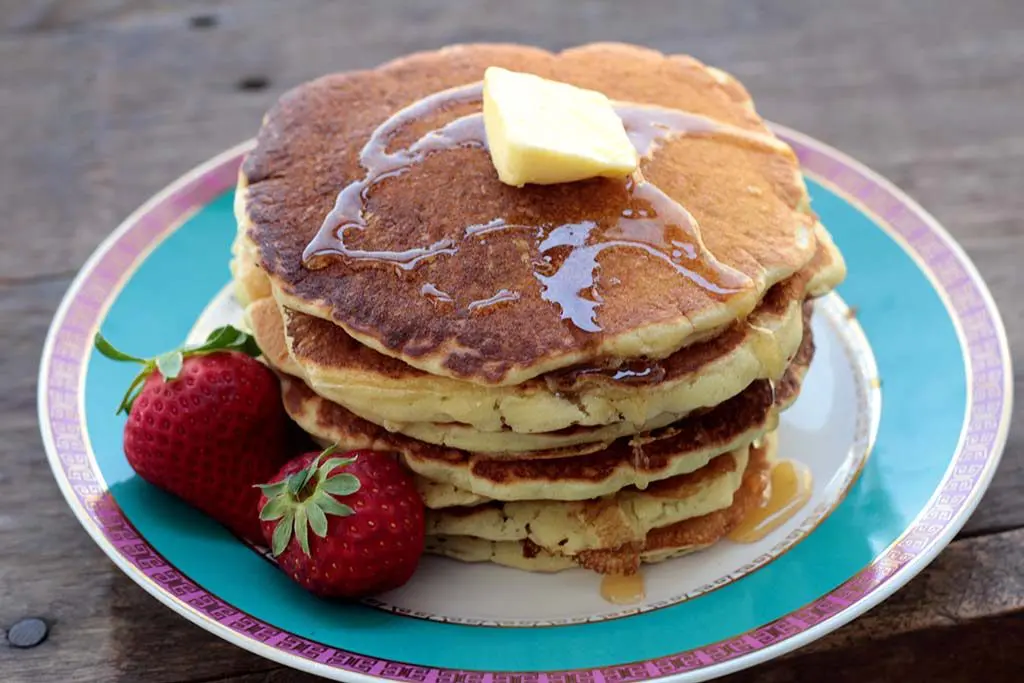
(989, 376)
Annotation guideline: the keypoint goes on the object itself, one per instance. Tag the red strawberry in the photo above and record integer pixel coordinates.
(207, 425)
(371, 543)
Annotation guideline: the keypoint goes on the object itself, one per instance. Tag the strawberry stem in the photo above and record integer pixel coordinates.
(303, 500)
(226, 338)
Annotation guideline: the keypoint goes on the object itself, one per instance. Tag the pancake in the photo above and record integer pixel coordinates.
(474, 280)
(438, 495)
(248, 277)
(569, 528)
(554, 475)
(660, 544)
(266, 326)
(565, 474)
(389, 392)
(560, 473)
(576, 439)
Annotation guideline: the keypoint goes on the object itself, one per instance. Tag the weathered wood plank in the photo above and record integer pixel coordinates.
(928, 112)
(987, 652)
(105, 101)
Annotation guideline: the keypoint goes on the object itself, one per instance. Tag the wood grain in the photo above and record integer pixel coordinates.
(105, 101)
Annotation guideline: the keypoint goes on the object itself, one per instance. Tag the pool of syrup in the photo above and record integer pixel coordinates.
(621, 589)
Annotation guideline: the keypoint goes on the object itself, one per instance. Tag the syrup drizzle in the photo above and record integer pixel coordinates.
(501, 297)
(567, 261)
(638, 371)
(349, 212)
(789, 489)
(643, 373)
(430, 290)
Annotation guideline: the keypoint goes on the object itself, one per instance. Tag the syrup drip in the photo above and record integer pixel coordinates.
(632, 372)
(567, 260)
(349, 212)
(654, 223)
(789, 490)
(648, 125)
(621, 589)
(648, 374)
(431, 291)
(501, 297)
(768, 350)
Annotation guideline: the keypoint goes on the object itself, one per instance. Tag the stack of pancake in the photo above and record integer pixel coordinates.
(575, 375)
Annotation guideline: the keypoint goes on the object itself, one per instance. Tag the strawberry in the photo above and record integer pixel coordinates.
(367, 544)
(206, 423)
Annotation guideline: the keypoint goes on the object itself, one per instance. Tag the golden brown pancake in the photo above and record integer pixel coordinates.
(563, 474)
(660, 544)
(342, 370)
(501, 319)
(390, 392)
(265, 322)
(571, 527)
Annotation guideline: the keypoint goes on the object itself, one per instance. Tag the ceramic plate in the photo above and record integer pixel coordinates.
(902, 420)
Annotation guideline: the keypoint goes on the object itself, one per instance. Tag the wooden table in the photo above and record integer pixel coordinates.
(105, 101)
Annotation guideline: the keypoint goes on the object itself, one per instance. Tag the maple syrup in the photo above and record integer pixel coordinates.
(431, 291)
(632, 372)
(768, 350)
(640, 372)
(789, 489)
(635, 213)
(501, 296)
(623, 589)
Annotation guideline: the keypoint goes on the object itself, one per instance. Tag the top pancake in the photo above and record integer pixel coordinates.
(741, 185)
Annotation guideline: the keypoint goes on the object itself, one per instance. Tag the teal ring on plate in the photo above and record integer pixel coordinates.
(942, 356)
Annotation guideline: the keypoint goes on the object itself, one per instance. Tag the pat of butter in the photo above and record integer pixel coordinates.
(545, 132)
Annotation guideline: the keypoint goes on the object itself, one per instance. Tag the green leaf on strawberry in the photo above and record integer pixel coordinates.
(301, 502)
(169, 364)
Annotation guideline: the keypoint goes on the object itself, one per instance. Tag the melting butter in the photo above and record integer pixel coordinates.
(544, 132)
